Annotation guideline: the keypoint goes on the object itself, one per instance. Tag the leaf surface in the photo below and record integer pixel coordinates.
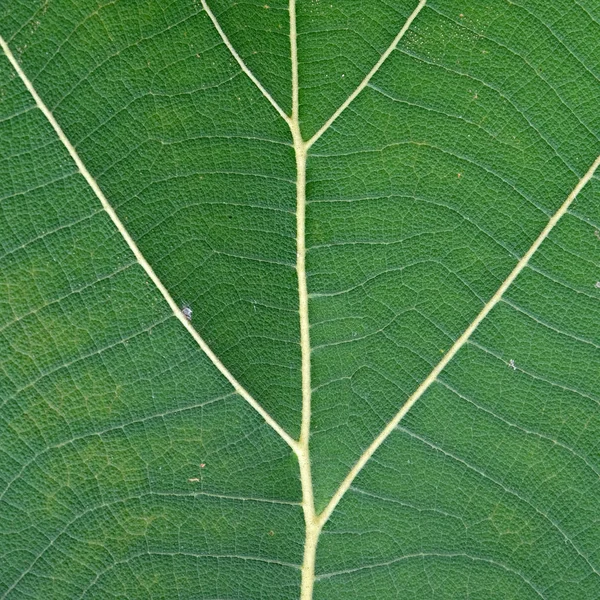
(385, 218)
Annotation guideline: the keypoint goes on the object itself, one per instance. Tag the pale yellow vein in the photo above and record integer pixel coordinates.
(243, 65)
(313, 523)
(308, 502)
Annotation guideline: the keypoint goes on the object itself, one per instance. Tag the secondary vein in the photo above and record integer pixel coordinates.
(361, 86)
(460, 342)
(243, 65)
(137, 253)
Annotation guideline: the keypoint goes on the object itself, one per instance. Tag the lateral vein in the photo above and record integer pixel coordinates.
(243, 65)
(361, 86)
(139, 256)
(460, 342)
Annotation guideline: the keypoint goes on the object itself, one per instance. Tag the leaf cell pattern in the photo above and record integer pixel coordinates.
(385, 217)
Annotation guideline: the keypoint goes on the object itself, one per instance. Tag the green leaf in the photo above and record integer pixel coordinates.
(385, 219)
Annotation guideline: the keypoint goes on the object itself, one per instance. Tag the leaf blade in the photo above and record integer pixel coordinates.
(419, 200)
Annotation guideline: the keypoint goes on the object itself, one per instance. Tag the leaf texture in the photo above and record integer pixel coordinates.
(385, 217)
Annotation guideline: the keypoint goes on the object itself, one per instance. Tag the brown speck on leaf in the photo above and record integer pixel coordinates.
(271, 533)
(597, 233)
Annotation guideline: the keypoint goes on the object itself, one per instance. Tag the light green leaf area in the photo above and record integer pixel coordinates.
(385, 217)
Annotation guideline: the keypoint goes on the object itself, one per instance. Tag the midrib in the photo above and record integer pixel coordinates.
(313, 523)
(312, 528)
(303, 450)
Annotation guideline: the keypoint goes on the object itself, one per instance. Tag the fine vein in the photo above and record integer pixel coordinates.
(460, 342)
(139, 256)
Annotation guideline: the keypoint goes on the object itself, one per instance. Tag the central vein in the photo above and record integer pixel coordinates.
(308, 505)
(313, 525)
